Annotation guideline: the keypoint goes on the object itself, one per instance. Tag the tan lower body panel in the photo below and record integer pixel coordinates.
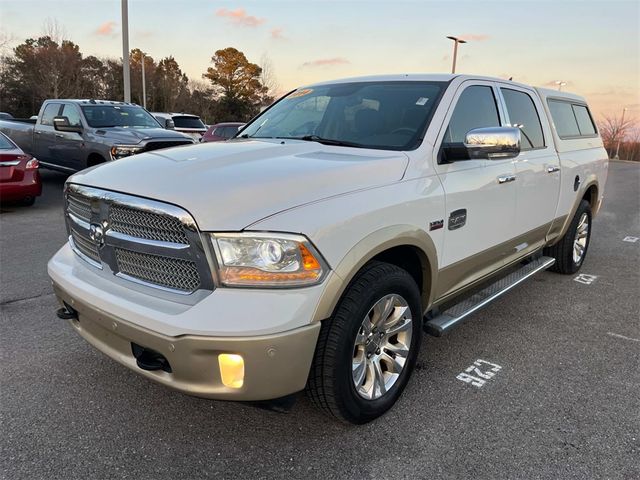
(275, 365)
(460, 276)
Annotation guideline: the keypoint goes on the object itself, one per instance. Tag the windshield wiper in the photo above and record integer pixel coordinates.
(327, 141)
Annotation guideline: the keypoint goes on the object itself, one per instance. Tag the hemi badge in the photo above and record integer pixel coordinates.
(437, 225)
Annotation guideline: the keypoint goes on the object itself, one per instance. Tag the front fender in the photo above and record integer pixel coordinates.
(368, 248)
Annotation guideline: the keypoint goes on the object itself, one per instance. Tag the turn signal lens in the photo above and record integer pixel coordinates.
(32, 164)
(231, 369)
(267, 260)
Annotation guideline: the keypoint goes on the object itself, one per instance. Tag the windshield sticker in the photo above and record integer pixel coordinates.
(301, 93)
(422, 101)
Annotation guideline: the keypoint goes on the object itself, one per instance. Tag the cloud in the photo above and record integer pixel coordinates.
(326, 62)
(106, 29)
(239, 17)
(474, 37)
(276, 34)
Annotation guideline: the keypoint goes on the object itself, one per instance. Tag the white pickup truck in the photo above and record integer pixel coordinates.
(314, 249)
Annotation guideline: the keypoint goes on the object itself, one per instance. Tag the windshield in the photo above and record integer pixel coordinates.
(382, 115)
(187, 122)
(102, 116)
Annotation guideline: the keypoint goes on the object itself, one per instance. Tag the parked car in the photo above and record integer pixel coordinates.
(19, 175)
(70, 135)
(5, 115)
(182, 122)
(222, 131)
(312, 251)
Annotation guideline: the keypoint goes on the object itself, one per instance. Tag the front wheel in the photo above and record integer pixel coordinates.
(367, 350)
(571, 250)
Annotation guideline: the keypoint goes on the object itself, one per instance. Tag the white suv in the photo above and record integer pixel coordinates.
(314, 249)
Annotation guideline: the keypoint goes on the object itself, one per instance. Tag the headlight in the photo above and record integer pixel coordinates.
(119, 151)
(267, 260)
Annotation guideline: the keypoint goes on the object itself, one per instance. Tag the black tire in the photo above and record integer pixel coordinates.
(562, 251)
(28, 201)
(330, 385)
(95, 159)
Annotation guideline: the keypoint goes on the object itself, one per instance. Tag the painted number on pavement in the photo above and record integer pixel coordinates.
(630, 239)
(479, 372)
(585, 278)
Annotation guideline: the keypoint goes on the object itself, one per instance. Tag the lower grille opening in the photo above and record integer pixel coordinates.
(150, 360)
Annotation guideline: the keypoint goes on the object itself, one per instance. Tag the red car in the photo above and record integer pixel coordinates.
(19, 174)
(221, 131)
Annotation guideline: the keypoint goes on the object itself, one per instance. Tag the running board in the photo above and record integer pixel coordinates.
(455, 315)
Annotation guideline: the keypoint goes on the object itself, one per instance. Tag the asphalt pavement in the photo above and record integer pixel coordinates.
(562, 400)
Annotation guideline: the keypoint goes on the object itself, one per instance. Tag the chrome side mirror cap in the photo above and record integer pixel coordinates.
(493, 143)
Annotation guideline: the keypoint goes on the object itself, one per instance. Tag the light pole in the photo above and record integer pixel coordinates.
(144, 86)
(560, 84)
(620, 133)
(456, 41)
(125, 51)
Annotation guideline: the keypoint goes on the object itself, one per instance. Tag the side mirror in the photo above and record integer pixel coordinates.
(169, 124)
(493, 143)
(62, 124)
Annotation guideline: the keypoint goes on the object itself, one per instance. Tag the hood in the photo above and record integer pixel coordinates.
(230, 185)
(133, 136)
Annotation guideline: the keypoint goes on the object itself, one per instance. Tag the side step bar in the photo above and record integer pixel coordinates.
(455, 315)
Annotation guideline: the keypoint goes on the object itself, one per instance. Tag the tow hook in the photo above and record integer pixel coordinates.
(67, 313)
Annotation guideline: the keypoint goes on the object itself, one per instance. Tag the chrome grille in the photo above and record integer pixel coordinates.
(149, 225)
(85, 245)
(80, 206)
(168, 272)
(153, 246)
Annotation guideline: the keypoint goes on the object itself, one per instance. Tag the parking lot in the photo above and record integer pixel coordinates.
(564, 402)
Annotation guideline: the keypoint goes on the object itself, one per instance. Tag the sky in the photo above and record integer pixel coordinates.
(593, 46)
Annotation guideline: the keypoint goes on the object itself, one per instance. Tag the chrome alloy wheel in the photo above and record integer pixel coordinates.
(382, 346)
(580, 241)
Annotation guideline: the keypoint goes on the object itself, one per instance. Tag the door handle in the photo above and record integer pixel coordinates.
(506, 179)
(553, 169)
(38, 132)
(59, 135)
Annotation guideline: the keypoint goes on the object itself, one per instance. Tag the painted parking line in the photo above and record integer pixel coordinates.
(617, 335)
(585, 278)
(478, 373)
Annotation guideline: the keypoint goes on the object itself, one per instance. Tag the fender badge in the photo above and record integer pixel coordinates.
(457, 219)
(436, 225)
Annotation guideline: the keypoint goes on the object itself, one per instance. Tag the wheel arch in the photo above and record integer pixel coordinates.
(95, 158)
(589, 192)
(400, 245)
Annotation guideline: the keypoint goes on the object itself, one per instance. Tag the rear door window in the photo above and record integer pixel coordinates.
(187, 122)
(564, 119)
(522, 113)
(50, 111)
(585, 123)
(476, 108)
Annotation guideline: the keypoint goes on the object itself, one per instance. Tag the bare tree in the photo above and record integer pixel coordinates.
(268, 77)
(612, 130)
(54, 30)
(5, 40)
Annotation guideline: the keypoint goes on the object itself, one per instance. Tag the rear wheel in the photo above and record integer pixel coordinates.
(367, 350)
(571, 250)
(28, 201)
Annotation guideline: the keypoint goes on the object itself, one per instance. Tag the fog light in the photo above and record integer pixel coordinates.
(231, 369)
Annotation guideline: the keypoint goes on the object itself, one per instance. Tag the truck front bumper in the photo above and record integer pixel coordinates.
(275, 365)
